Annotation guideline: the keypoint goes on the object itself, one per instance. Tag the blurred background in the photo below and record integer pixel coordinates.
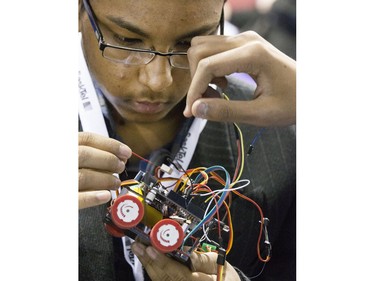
(274, 20)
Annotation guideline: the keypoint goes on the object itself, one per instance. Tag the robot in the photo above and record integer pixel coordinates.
(169, 219)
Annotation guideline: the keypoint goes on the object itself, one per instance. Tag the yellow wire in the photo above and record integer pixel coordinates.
(241, 141)
(242, 151)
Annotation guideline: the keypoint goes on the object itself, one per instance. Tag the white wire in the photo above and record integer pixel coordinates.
(225, 190)
(205, 231)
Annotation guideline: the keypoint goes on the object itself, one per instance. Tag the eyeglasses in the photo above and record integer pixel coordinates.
(133, 56)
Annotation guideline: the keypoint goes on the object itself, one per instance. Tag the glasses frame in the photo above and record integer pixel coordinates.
(103, 44)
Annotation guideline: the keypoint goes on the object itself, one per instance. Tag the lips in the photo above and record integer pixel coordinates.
(148, 107)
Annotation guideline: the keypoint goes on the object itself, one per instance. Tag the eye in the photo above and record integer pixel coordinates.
(128, 42)
(183, 46)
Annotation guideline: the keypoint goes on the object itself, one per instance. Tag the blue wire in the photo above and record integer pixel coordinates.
(220, 202)
(251, 146)
(260, 131)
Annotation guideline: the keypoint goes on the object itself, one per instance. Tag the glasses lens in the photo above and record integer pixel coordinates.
(141, 58)
(127, 57)
(179, 61)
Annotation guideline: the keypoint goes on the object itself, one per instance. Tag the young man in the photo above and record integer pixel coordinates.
(148, 98)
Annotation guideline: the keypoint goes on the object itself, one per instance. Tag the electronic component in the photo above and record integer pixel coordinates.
(166, 219)
(170, 212)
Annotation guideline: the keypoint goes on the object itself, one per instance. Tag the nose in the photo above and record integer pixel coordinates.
(157, 74)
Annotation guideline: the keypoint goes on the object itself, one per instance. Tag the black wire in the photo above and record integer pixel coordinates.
(181, 169)
(261, 271)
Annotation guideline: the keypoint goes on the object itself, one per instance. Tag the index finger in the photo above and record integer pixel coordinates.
(93, 198)
(117, 148)
(216, 66)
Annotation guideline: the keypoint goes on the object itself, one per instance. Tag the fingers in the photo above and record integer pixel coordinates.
(204, 262)
(207, 262)
(214, 57)
(163, 268)
(99, 159)
(157, 265)
(93, 198)
(263, 111)
(96, 180)
(106, 144)
(206, 46)
(218, 65)
(94, 158)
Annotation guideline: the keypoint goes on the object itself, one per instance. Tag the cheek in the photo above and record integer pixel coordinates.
(115, 74)
(181, 82)
(114, 78)
(104, 71)
(117, 82)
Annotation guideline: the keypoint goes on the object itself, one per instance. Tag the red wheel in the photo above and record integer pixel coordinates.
(127, 211)
(114, 230)
(167, 235)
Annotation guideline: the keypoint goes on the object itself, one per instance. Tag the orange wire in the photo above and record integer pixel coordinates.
(261, 224)
(220, 180)
(217, 209)
(261, 216)
(219, 276)
(231, 233)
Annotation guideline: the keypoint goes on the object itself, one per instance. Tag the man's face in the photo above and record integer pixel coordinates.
(146, 93)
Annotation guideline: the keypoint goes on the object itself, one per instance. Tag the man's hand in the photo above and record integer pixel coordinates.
(162, 268)
(99, 159)
(213, 57)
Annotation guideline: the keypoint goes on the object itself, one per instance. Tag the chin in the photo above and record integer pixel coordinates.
(144, 118)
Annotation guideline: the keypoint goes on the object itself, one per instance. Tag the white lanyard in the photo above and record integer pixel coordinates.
(186, 151)
(92, 120)
(132, 259)
(89, 109)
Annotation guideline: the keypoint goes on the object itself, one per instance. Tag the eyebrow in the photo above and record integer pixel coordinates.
(127, 25)
(131, 27)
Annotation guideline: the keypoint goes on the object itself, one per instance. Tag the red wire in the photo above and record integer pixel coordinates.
(219, 179)
(202, 187)
(144, 159)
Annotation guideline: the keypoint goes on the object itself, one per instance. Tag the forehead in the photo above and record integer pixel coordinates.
(161, 15)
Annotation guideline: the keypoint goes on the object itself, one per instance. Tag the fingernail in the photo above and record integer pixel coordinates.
(121, 165)
(138, 250)
(202, 109)
(117, 183)
(125, 151)
(187, 113)
(153, 254)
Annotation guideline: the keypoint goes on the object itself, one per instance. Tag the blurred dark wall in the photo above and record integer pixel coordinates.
(278, 26)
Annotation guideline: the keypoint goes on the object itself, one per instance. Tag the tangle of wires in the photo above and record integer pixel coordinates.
(200, 209)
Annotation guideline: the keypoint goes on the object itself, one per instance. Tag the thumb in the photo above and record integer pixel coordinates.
(261, 111)
(204, 262)
(225, 110)
(93, 198)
